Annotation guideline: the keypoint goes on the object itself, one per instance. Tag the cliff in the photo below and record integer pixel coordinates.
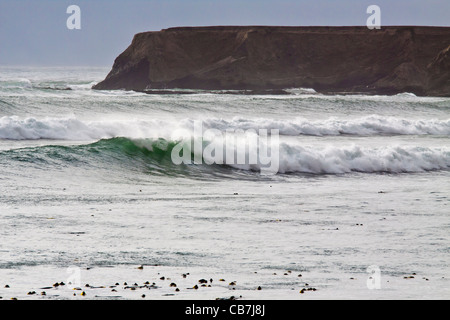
(329, 59)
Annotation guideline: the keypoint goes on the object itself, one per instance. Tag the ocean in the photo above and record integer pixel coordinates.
(92, 202)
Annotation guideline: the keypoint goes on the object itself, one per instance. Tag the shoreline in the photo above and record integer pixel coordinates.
(175, 283)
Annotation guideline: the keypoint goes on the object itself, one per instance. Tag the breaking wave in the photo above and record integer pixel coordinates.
(364, 126)
(292, 158)
(15, 128)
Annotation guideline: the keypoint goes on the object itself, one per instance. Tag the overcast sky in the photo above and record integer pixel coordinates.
(34, 32)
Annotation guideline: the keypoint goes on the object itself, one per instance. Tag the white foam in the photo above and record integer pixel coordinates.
(368, 125)
(333, 160)
(19, 83)
(71, 128)
(406, 94)
(299, 91)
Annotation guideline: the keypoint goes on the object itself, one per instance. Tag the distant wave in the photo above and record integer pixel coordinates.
(298, 91)
(406, 94)
(19, 83)
(15, 128)
(23, 83)
(365, 126)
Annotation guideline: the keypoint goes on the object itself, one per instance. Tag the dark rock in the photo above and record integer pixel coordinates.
(389, 60)
(230, 298)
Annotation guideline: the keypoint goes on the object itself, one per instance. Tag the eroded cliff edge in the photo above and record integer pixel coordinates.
(327, 59)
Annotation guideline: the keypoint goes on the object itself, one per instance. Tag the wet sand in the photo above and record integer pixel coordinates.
(161, 283)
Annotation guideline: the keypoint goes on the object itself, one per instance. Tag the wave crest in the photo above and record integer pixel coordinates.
(364, 126)
(14, 128)
(293, 158)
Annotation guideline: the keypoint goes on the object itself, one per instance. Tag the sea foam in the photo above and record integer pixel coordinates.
(333, 160)
(71, 128)
(365, 126)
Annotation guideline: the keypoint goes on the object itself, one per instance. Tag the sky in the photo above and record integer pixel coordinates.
(35, 32)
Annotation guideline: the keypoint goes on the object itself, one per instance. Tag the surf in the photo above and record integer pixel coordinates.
(293, 158)
(71, 128)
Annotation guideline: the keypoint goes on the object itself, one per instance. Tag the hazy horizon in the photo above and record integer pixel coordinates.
(34, 33)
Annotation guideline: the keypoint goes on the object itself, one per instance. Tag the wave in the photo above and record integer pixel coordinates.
(70, 128)
(58, 85)
(294, 158)
(406, 94)
(300, 91)
(364, 126)
(19, 83)
(333, 160)
(157, 155)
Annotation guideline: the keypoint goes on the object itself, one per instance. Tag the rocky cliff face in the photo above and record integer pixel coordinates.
(328, 59)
